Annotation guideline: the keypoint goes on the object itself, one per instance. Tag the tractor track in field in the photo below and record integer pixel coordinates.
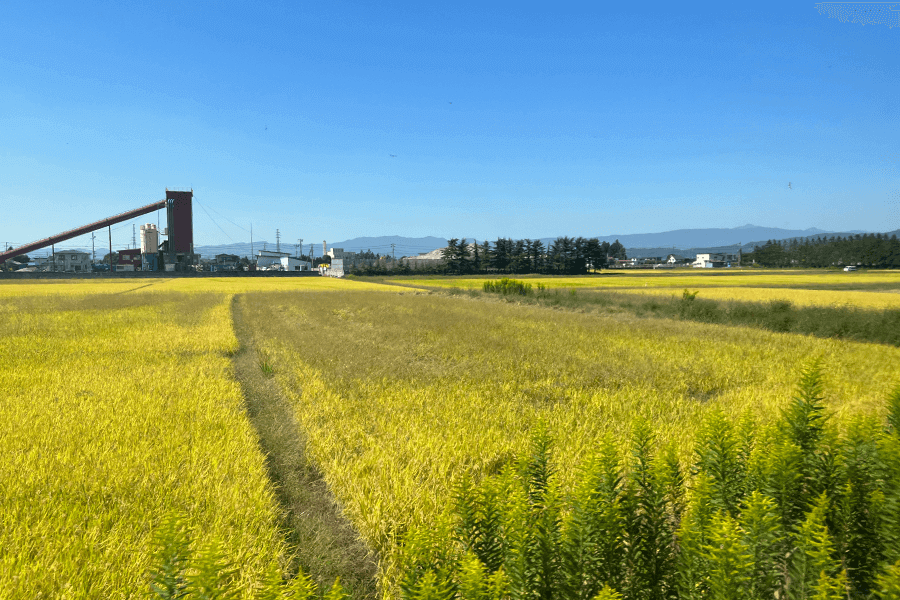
(326, 544)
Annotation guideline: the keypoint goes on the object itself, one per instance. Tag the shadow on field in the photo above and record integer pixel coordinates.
(326, 544)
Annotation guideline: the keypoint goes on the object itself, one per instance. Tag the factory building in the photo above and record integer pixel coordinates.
(268, 258)
(291, 263)
(129, 260)
(338, 253)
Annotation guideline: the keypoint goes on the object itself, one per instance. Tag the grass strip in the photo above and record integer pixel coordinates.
(783, 316)
(326, 543)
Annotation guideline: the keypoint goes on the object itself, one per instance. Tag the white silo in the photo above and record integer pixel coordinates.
(149, 239)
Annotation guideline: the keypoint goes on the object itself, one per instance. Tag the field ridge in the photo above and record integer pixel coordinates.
(326, 543)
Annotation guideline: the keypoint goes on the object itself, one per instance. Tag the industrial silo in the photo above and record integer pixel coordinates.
(149, 247)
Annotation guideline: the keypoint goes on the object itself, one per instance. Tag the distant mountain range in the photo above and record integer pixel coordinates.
(691, 238)
(403, 246)
(680, 241)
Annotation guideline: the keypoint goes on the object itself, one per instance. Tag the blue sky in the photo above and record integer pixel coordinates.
(333, 120)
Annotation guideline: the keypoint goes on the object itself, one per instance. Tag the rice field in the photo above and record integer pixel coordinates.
(115, 413)
(800, 297)
(410, 394)
(685, 278)
(119, 405)
(224, 285)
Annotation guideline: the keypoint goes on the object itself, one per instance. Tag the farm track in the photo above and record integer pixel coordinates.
(327, 545)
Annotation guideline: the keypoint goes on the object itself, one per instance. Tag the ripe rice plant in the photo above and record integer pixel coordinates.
(116, 411)
(411, 392)
(693, 278)
(641, 525)
(120, 409)
(68, 289)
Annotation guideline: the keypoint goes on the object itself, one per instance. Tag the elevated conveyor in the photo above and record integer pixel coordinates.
(73, 233)
(179, 246)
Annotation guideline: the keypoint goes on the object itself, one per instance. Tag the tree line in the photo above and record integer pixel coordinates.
(565, 255)
(875, 250)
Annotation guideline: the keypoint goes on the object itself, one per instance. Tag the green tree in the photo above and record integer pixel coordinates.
(501, 255)
(617, 250)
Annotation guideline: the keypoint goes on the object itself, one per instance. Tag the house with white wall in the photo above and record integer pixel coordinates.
(712, 260)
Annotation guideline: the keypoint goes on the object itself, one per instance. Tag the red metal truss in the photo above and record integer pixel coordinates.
(67, 235)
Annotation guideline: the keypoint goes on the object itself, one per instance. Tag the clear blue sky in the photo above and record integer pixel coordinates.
(506, 119)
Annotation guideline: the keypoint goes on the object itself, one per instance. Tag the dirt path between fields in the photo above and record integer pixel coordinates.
(327, 545)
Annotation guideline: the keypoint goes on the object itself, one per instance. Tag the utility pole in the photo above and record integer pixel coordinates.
(311, 246)
(53, 256)
(277, 241)
(393, 254)
(251, 241)
(110, 250)
(93, 249)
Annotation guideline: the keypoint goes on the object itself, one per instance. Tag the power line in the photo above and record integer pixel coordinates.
(223, 216)
(214, 221)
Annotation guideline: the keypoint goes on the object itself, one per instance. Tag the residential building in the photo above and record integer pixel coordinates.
(227, 259)
(713, 260)
(71, 261)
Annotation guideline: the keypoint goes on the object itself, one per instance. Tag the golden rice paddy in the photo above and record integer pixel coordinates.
(119, 405)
